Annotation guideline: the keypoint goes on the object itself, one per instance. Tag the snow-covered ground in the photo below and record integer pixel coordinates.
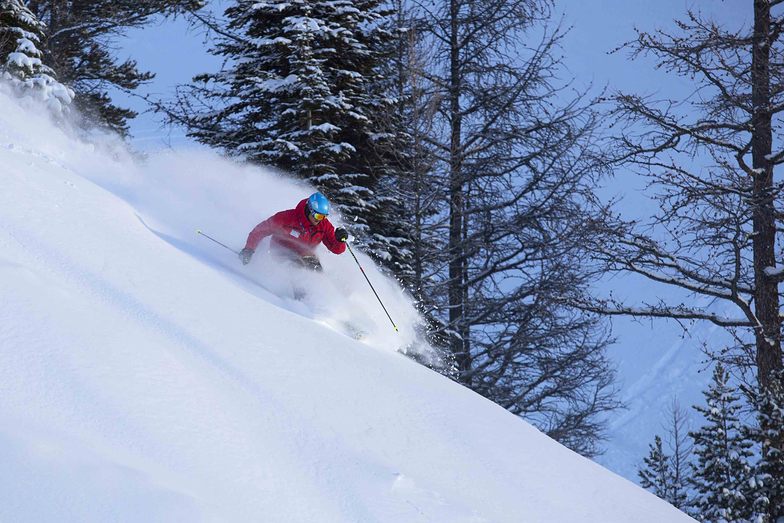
(146, 375)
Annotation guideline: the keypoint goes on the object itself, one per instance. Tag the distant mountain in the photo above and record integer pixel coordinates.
(673, 370)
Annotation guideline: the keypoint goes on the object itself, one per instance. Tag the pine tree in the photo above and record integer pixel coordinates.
(656, 474)
(81, 48)
(768, 484)
(722, 473)
(665, 472)
(21, 36)
(357, 67)
(299, 92)
(388, 160)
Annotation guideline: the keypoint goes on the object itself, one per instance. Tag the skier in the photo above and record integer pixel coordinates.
(296, 233)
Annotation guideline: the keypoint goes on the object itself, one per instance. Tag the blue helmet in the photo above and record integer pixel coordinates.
(318, 203)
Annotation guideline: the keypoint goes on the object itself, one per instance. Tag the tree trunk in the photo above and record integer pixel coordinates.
(768, 334)
(456, 204)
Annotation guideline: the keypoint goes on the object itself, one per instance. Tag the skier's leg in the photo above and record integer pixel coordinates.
(311, 262)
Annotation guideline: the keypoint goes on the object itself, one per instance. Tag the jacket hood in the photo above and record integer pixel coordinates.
(301, 208)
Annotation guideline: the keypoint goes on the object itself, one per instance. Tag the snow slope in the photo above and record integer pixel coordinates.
(146, 376)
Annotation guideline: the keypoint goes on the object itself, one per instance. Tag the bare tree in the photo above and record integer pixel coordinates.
(710, 163)
(412, 160)
(513, 152)
(680, 447)
(710, 159)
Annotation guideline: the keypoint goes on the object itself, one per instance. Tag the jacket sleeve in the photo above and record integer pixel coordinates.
(330, 241)
(265, 228)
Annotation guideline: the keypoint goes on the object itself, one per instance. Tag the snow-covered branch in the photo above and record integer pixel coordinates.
(676, 312)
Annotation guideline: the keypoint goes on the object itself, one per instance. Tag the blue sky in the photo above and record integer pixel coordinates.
(175, 52)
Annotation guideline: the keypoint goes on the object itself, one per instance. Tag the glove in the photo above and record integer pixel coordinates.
(341, 235)
(245, 255)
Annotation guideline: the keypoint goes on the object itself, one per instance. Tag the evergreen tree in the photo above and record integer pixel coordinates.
(722, 473)
(391, 159)
(21, 36)
(407, 163)
(768, 485)
(299, 92)
(656, 474)
(80, 47)
(363, 59)
(665, 473)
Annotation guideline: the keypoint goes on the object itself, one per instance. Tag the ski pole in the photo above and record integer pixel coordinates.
(371, 286)
(216, 241)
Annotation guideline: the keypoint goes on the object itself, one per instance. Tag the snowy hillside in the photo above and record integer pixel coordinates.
(145, 375)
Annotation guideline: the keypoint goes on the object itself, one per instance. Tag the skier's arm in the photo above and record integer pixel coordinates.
(264, 229)
(332, 243)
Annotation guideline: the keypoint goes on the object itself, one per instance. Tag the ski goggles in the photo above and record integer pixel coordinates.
(318, 216)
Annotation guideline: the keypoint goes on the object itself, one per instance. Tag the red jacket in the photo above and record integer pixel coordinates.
(292, 230)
